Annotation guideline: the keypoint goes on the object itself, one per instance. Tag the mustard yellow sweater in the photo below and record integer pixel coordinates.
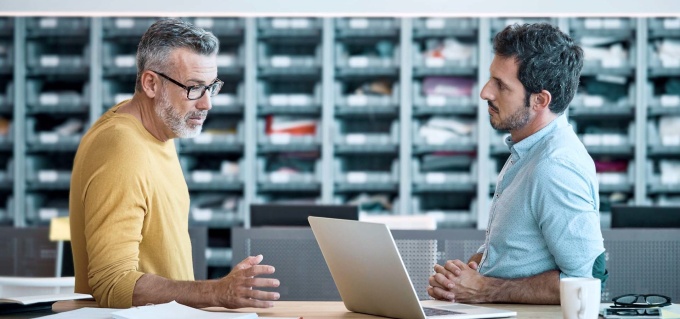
(129, 210)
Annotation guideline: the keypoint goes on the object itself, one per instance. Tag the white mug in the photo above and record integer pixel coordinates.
(580, 298)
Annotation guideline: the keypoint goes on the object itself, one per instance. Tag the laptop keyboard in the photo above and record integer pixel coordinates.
(429, 312)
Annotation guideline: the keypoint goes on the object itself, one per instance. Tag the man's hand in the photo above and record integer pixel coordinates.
(236, 289)
(457, 281)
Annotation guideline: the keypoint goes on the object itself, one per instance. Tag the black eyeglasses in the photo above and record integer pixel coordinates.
(641, 301)
(196, 92)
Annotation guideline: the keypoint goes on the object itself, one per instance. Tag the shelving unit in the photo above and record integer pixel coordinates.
(380, 112)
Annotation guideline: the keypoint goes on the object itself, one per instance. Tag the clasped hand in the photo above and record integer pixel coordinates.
(457, 281)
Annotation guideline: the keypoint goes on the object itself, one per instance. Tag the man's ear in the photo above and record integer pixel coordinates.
(150, 84)
(541, 100)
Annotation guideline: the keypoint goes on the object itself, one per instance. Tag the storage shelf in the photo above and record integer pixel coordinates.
(664, 150)
(420, 149)
(625, 150)
(334, 93)
(599, 112)
(661, 110)
(366, 187)
(444, 187)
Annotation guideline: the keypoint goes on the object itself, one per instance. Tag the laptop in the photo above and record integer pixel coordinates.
(371, 277)
(296, 214)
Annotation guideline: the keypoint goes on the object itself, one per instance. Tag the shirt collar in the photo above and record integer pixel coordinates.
(522, 147)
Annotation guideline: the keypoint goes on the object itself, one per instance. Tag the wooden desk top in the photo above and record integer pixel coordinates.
(334, 309)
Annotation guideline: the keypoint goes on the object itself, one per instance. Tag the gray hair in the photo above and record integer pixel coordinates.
(548, 59)
(166, 35)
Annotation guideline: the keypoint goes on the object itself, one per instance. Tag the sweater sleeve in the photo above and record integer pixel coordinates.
(114, 201)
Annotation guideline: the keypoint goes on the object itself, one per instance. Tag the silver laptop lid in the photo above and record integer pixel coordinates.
(370, 278)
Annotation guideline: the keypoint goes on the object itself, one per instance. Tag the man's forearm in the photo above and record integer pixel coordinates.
(153, 289)
(543, 288)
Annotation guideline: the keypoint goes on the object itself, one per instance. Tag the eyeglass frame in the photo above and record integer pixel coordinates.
(639, 305)
(633, 312)
(193, 87)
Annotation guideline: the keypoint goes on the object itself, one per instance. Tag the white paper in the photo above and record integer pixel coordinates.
(611, 23)
(299, 99)
(49, 176)
(670, 140)
(280, 139)
(279, 23)
(592, 23)
(49, 138)
(436, 100)
(124, 61)
(671, 23)
(593, 101)
(49, 60)
(434, 62)
(357, 100)
(222, 99)
(278, 99)
(48, 23)
(299, 23)
(49, 99)
(120, 97)
(202, 214)
(124, 23)
(201, 176)
(89, 313)
(48, 213)
(203, 139)
(358, 23)
(279, 177)
(358, 62)
(612, 62)
(355, 139)
(435, 178)
(357, 177)
(28, 300)
(174, 310)
(225, 60)
(670, 100)
(204, 22)
(280, 61)
(434, 23)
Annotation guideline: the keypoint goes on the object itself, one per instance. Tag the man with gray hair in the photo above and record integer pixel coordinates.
(129, 202)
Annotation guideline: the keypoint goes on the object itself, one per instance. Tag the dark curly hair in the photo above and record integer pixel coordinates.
(165, 35)
(548, 59)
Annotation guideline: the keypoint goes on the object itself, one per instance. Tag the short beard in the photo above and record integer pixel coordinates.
(516, 120)
(175, 121)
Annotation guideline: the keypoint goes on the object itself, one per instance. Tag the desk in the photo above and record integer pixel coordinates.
(336, 309)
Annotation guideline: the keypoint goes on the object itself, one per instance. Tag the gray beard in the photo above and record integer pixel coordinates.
(175, 121)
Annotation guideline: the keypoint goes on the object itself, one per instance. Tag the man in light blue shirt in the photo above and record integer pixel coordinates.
(544, 219)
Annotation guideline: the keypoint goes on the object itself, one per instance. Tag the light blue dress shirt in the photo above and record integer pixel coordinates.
(545, 211)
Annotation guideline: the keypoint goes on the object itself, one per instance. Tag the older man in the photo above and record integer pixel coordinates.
(129, 201)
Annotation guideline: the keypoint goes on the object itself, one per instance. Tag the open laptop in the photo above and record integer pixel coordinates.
(371, 277)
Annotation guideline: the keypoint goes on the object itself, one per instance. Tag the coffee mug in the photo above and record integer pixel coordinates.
(580, 298)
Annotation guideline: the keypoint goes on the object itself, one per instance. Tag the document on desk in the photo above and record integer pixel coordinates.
(174, 310)
(170, 310)
(28, 300)
(89, 313)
